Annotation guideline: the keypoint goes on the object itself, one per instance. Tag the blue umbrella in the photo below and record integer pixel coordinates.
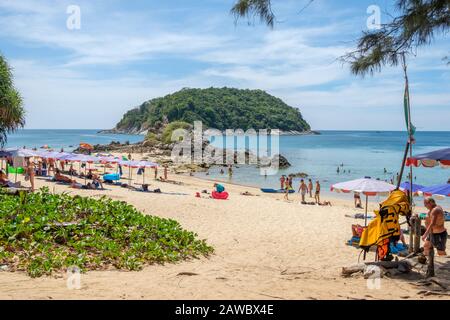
(415, 187)
(439, 190)
(431, 159)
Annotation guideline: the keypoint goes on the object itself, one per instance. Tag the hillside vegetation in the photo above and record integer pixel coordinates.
(219, 108)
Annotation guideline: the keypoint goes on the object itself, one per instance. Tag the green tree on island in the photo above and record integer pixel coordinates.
(417, 23)
(12, 113)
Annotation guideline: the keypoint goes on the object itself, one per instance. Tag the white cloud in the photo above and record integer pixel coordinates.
(294, 62)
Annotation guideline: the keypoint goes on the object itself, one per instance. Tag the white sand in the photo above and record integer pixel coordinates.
(265, 248)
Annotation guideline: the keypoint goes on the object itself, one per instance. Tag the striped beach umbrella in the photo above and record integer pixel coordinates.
(367, 186)
(431, 159)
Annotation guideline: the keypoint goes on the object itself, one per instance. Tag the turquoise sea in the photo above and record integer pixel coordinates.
(67, 139)
(363, 153)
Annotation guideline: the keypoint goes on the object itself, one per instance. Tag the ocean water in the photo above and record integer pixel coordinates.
(363, 153)
(67, 139)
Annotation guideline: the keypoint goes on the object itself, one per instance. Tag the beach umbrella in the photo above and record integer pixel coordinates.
(431, 159)
(406, 186)
(442, 190)
(82, 158)
(366, 186)
(23, 153)
(130, 165)
(146, 164)
(86, 146)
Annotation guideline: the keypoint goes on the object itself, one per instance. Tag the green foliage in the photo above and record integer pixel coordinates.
(152, 137)
(218, 108)
(248, 8)
(417, 23)
(12, 114)
(42, 232)
(171, 127)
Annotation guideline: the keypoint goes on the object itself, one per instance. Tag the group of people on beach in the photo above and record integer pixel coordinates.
(60, 171)
(286, 183)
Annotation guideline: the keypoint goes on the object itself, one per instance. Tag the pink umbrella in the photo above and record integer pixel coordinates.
(137, 164)
(366, 186)
(82, 158)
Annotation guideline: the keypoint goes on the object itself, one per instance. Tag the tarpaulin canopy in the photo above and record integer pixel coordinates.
(431, 159)
(407, 186)
(442, 190)
(138, 164)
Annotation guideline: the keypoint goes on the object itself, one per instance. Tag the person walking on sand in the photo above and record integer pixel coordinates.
(310, 188)
(165, 172)
(287, 189)
(282, 181)
(436, 233)
(29, 173)
(302, 190)
(156, 173)
(317, 194)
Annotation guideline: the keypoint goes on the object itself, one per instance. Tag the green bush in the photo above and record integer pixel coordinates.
(152, 138)
(171, 127)
(42, 232)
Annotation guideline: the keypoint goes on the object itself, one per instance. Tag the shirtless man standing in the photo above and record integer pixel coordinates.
(435, 234)
(303, 190)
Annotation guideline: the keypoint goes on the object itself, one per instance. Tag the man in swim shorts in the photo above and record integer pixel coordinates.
(303, 189)
(435, 234)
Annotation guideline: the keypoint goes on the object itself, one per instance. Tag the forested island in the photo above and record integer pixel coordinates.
(218, 108)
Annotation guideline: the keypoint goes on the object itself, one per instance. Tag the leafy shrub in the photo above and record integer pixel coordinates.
(42, 232)
(171, 127)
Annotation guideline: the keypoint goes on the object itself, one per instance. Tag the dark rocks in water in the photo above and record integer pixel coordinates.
(299, 175)
(283, 163)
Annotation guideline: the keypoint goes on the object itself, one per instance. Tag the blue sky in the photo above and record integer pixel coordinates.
(127, 52)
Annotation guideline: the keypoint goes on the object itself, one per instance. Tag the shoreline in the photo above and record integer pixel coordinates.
(264, 247)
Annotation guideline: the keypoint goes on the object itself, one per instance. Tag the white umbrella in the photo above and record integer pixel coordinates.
(23, 153)
(366, 186)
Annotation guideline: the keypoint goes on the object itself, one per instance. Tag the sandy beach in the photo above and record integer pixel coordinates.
(265, 248)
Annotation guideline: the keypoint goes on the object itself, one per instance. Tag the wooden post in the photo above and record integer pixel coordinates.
(430, 260)
(405, 155)
(412, 231)
(365, 216)
(417, 235)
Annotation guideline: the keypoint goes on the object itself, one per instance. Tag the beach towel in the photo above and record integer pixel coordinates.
(385, 228)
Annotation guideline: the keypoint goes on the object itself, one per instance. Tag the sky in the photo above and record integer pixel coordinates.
(128, 52)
